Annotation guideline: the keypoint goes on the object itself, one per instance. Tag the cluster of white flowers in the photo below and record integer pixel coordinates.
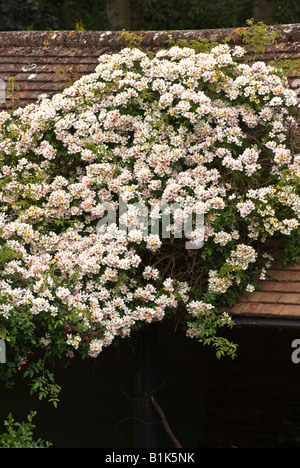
(175, 128)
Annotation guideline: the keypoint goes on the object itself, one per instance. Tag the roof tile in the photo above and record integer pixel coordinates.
(278, 296)
(77, 52)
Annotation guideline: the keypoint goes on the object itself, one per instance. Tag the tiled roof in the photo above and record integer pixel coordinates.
(44, 62)
(278, 296)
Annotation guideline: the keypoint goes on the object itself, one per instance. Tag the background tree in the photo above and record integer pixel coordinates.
(143, 14)
(118, 14)
(264, 10)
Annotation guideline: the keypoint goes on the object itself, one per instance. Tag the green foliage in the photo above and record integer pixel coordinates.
(291, 253)
(20, 435)
(132, 40)
(152, 14)
(258, 36)
(44, 384)
(209, 336)
(12, 92)
(195, 14)
(203, 46)
(79, 25)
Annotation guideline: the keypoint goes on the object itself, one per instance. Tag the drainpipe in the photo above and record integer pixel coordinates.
(145, 384)
(263, 322)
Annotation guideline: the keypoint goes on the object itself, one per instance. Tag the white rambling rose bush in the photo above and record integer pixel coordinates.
(182, 128)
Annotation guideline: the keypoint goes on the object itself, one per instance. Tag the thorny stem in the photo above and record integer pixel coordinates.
(165, 422)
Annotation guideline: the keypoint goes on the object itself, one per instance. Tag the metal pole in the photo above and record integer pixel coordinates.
(145, 384)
